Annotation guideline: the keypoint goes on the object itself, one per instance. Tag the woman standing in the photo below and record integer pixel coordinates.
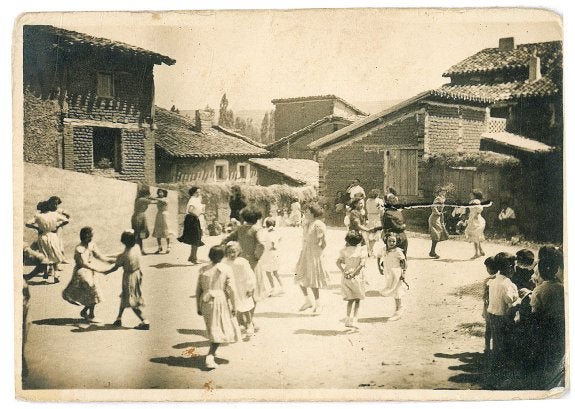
(358, 219)
(83, 289)
(309, 270)
(192, 233)
(161, 229)
(476, 223)
(237, 203)
(139, 220)
(436, 222)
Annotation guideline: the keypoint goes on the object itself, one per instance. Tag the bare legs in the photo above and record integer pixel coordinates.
(160, 249)
(308, 303)
(144, 324)
(88, 312)
(352, 304)
(478, 249)
(193, 254)
(271, 275)
(432, 252)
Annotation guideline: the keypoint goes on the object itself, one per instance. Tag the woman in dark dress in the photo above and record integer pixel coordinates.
(192, 233)
(436, 221)
(237, 203)
(392, 221)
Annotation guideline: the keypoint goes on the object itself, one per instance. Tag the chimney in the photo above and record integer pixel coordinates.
(534, 67)
(204, 119)
(507, 44)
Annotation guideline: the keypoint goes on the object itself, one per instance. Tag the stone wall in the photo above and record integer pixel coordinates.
(42, 136)
(104, 204)
(293, 116)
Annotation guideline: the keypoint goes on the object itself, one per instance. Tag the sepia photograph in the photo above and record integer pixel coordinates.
(330, 204)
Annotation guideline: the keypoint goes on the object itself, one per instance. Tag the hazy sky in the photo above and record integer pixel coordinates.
(357, 54)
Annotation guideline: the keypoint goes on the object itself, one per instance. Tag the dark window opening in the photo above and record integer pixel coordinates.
(105, 85)
(242, 171)
(107, 148)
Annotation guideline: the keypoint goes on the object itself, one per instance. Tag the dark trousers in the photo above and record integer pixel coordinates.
(501, 334)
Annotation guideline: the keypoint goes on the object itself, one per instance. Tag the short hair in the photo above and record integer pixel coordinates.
(373, 193)
(550, 260)
(315, 210)
(250, 214)
(193, 190)
(84, 232)
(216, 254)
(234, 245)
(164, 191)
(391, 234)
(353, 238)
(392, 190)
(128, 238)
(51, 205)
(355, 202)
(55, 199)
(42, 206)
(504, 260)
(490, 263)
(143, 190)
(478, 194)
(270, 222)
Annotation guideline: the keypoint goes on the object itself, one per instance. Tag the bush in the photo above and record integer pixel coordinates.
(216, 196)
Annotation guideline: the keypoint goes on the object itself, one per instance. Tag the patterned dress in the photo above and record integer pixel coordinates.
(82, 289)
(214, 294)
(309, 270)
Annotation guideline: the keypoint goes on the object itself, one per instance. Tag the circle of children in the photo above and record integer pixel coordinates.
(523, 307)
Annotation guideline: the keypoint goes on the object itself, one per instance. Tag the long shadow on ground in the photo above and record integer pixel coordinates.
(472, 364)
(323, 332)
(279, 315)
(60, 321)
(170, 265)
(197, 362)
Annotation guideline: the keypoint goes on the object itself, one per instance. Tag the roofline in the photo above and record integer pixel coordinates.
(212, 155)
(335, 136)
(123, 47)
(485, 136)
(239, 136)
(318, 98)
(305, 130)
(277, 171)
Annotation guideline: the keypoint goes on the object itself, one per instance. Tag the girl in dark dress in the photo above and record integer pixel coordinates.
(237, 203)
(392, 221)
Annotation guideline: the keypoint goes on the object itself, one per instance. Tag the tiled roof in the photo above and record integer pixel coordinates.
(68, 38)
(176, 135)
(295, 135)
(498, 92)
(517, 142)
(492, 59)
(302, 171)
(319, 97)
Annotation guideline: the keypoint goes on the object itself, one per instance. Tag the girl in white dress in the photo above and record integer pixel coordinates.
(394, 266)
(244, 285)
(351, 262)
(269, 261)
(476, 223)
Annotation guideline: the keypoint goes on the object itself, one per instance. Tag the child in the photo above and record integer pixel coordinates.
(245, 284)
(503, 296)
(394, 266)
(351, 262)
(54, 203)
(269, 261)
(82, 289)
(131, 296)
(491, 268)
(215, 302)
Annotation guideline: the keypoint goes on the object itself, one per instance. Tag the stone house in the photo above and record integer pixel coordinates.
(458, 136)
(198, 151)
(300, 121)
(89, 103)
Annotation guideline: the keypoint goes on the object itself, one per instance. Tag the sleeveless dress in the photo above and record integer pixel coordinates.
(161, 229)
(214, 293)
(309, 270)
(475, 223)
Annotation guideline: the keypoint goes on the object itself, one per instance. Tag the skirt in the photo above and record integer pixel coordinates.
(222, 327)
(393, 285)
(161, 229)
(131, 296)
(261, 291)
(50, 247)
(192, 233)
(474, 230)
(82, 288)
(353, 288)
(309, 270)
(437, 229)
(140, 225)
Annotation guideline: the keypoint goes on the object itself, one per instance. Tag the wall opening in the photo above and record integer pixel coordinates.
(107, 148)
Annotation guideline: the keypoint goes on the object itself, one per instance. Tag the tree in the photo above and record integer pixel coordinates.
(272, 127)
(265, 128)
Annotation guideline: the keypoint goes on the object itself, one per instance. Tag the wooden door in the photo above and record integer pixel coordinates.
(400, 171)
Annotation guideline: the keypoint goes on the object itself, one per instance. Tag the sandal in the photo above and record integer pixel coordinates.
(142, 326)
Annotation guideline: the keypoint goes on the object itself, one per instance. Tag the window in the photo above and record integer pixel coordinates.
(105, 85)
(221, 170)
(107, 148)
(243, 171)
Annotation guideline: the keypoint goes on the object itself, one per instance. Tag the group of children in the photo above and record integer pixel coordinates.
(525, 317)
